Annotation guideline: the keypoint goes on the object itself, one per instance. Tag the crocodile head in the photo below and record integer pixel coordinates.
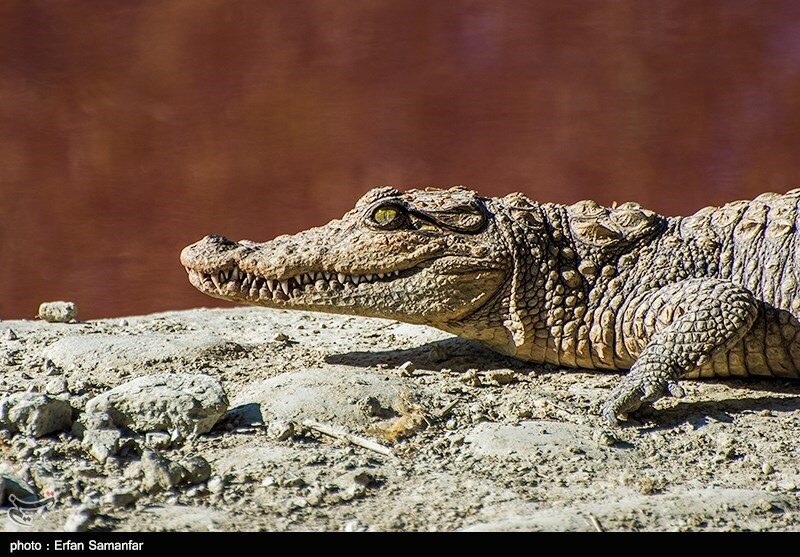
(424, 256)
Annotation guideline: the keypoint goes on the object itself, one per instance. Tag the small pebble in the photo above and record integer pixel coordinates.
(605, 438)
(197, 468)
(194, 491)
(58, 312)
(371, 407)
(10, 335)
(157, 440)
(407, 369)
(56, 386)
(216, 485)
(471, 378)
(352, 526)
(51, 369)
(280, 430)
(119, 499)
(281, 337)
(293, 482)
(501, 377)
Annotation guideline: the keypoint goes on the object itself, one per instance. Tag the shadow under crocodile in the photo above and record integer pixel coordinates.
(455, 354)
(459, 355)
(703, 413)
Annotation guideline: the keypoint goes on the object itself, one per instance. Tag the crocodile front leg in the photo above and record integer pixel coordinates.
(694, 320)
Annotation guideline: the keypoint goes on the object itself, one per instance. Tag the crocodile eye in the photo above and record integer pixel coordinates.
(385, 215)
(388, 216)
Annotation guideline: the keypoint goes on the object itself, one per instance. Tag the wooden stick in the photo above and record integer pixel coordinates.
(447, 409)
(349, 437)
(595, 523)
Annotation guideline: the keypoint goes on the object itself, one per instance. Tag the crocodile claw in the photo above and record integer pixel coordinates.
(635, 391)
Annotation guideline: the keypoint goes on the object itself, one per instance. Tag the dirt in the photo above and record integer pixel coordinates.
(457, 437)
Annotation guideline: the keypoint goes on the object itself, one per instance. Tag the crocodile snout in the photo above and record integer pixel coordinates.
(213, 251)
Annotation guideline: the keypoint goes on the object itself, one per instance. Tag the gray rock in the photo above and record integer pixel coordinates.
(216, 485)
(92, 420)
(158, 440)
(353, 526)
(330, 395)
(407, 369)
(34, 414)
(132, 471)
(471, 378)
(56, 386)
(371, 407)
(361, 477)
(160, 473)
(101, 443)
(58, 312)
(51, 369)
(197, 469)
(281, 430)
(120, 499)
(292, 481)
(8, 357)
(501, 376)
(187, 404)
(10, 334)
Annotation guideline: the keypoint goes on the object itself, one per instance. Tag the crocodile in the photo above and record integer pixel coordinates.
(714, 294)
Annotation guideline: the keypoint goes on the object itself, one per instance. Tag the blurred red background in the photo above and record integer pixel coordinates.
(130, 129)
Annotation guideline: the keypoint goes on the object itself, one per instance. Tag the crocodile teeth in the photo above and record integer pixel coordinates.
(292, 286)
(215, 280)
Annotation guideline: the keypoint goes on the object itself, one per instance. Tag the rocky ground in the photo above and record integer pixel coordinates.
(251, 419)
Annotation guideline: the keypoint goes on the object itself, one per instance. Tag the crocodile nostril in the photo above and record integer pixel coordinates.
(220, 240)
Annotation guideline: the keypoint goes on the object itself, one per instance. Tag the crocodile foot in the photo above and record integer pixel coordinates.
(634, 391)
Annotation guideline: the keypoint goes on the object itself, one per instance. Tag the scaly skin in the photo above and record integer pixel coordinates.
(710, 295)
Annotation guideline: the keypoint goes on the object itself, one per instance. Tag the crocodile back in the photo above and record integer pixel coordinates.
(759, 244)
